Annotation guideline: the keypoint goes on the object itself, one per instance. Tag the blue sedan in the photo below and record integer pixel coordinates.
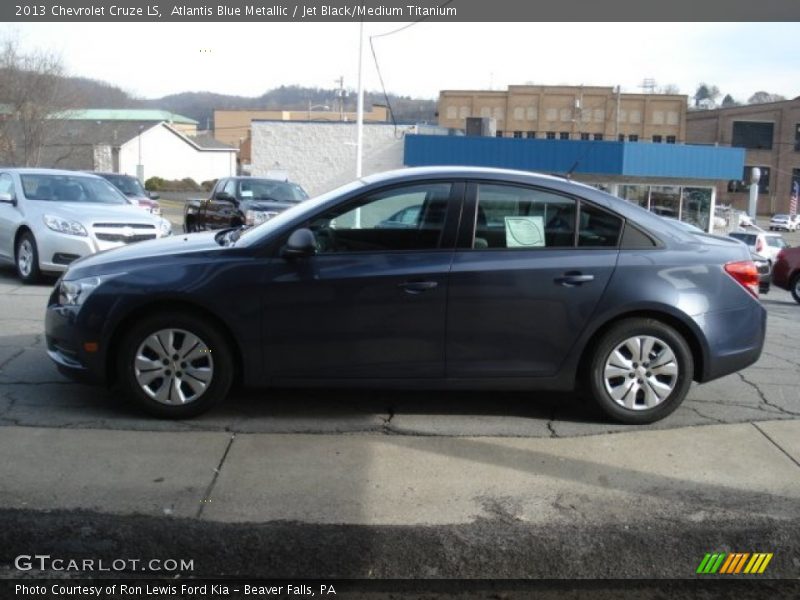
(504, 280)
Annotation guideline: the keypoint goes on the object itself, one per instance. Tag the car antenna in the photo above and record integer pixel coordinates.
(572, 170)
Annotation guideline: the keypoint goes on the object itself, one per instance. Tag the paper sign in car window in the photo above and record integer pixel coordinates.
(246, 193)
(524, 232)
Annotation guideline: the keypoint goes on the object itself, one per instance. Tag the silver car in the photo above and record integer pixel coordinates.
(50, 218)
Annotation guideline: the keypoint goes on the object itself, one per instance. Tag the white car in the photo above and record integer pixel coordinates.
(786, 222)
(764, 243)
(50, 218)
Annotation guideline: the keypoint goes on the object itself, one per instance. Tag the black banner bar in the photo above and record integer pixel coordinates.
(399, 10)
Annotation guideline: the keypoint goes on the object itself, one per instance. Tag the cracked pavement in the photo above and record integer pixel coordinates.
(33, 393)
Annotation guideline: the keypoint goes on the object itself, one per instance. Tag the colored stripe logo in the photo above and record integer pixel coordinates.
(734, 563)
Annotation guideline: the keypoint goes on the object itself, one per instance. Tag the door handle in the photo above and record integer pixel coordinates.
(573, 278)
(417, 287)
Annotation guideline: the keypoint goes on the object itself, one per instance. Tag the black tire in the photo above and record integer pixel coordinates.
(26, 258)
(794, 287)
(679, 382)
(189, 226)
(215, 352)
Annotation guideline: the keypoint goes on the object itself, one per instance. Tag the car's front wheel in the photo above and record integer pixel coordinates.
(26, 256)
(175, 365)
(794, 288)
(640, 371)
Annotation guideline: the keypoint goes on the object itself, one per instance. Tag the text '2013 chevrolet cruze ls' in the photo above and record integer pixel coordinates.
(502, 280)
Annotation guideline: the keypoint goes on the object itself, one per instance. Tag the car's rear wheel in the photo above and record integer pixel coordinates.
(26, 256)
(189, 226)
(175, 365)
(794, 288)
(640, 371)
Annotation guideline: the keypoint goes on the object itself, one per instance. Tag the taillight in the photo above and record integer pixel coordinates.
(759, 245)
(745, 273)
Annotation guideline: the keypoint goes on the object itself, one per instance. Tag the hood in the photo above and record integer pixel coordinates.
(114, 260)
(90, 212)
(265, 205)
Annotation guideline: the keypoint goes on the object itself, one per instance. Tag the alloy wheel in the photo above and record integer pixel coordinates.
(25, 258)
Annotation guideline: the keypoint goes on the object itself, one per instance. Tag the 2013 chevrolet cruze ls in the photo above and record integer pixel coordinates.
(502, 280)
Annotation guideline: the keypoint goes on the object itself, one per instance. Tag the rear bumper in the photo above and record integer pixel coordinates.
(735, 338)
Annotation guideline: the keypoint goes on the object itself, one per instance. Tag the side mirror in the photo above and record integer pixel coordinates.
(153, 196)
(7, 198)
(225, 196)
(300, 244)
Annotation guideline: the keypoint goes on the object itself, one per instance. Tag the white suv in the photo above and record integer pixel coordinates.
(50, 218)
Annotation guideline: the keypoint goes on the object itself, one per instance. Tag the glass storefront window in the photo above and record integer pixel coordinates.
(665, 200)
(638, 194)
(696, 206)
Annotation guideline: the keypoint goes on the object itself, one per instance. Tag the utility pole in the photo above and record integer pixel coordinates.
(340, 96)
(360, 109)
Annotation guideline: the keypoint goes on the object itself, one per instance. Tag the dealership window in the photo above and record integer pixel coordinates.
(670, 139)
(633, 137)
(531, 135)
(665, 200)
(755, 135)
(638, 194)
(564, 135)
(584, 136)
(598, 137)
(621, 137)
(405, 218)
(551, 135)
(657, 139)
(517, 134)
(515, 217)
(696, 206)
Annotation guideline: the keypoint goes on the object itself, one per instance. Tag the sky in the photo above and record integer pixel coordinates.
(150, 60)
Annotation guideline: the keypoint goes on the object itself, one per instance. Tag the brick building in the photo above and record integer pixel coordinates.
(770, 133)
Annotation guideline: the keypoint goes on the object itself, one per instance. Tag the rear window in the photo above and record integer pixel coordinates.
(776, 242)
(747, 238)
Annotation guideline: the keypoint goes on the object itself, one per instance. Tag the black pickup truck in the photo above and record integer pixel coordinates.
(241, 201)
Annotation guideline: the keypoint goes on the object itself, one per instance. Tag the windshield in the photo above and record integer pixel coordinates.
(130, 186)
(70, 188)
(267, 189)
(257, 233)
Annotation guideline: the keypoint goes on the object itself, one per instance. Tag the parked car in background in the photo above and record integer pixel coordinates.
(241, 201)
(762, 242)
(784, 222)
(786, 273)
(509, 280)
(134, 191)
(50, 218)
(761, 263)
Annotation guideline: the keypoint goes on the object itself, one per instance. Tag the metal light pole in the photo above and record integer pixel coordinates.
(360, 109)
(140, 166)
(755, 175)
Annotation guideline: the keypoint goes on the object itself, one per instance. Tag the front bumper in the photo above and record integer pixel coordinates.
(65, 341)
(57, 250)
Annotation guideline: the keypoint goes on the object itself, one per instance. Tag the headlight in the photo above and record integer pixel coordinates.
(256, 217)
(165, 228)
(62, 225)
(74, 293)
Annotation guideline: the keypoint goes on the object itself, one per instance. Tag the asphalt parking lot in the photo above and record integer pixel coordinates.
(401, 484)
